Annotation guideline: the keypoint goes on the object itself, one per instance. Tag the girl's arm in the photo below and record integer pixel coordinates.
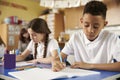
(23, 55)
(48, 59)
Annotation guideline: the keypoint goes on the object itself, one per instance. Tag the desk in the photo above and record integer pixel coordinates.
(105, 75)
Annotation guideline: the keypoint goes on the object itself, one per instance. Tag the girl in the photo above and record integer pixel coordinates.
(42, 48)
(24, 39)
(2, 47)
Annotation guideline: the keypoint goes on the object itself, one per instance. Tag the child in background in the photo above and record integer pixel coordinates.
(2, 47)
(24, 39)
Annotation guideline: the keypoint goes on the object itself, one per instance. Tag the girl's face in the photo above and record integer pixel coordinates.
(26, 35)
(36, 37)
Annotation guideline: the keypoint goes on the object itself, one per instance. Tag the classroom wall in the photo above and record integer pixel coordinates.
(32, 10)
(73, 15)
(113, 14)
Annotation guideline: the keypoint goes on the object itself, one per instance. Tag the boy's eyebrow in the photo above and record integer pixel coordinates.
(96, 24)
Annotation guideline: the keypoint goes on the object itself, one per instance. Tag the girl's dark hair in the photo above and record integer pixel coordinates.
(2, 42)
(46, 44)
(39, 25)
(96, 8)
(21, 37)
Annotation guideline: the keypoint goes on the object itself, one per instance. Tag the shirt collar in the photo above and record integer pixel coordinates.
(41, 44)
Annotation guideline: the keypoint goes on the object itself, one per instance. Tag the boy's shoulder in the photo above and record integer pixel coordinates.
(78, 33)
(109, 34)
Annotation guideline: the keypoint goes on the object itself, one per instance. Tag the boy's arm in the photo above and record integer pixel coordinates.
(56, 64)
(108, 66)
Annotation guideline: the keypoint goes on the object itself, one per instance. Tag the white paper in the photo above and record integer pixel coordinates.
(6, 77)
(47, 74)
(1, 63)
(78, 72)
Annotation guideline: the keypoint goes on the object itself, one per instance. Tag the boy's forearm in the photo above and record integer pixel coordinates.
(108, 67)
(64, 56)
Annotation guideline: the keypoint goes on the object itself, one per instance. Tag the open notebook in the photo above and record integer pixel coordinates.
(48, 74)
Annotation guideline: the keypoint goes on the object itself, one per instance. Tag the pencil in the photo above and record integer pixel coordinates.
(60, 55)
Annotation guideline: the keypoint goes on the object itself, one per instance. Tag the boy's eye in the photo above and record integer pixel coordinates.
(96, 26)
(86, 25)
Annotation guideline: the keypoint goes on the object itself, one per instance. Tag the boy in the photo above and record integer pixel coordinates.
(92, 48)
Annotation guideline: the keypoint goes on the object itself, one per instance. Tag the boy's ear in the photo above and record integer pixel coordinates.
(106, 22)
(81, 20)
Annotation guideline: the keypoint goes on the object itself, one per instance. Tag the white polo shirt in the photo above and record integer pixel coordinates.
(103, 49)
(52, 45)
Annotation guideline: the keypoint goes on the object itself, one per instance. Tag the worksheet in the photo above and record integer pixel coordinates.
(48, 74)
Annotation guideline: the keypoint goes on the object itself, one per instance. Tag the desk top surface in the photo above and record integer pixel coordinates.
(103, 75)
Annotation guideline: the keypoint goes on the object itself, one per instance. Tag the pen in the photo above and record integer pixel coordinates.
(24, 67)
(60, 55)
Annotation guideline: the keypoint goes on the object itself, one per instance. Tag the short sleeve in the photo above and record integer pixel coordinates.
(53, 45)
(68, 49)
(116, 53)
(30, 46)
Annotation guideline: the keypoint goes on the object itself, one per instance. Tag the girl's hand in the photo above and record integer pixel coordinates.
(33, 61)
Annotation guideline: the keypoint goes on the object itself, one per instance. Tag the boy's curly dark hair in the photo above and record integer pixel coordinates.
(95, 8)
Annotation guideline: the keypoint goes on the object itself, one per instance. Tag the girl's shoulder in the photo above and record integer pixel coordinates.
(31, 42)
(2, 45)
(51, 41)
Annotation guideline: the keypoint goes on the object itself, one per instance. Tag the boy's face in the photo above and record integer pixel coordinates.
(92, 25)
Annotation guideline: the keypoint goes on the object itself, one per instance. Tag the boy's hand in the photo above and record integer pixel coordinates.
(82, 65)
(57, 65)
